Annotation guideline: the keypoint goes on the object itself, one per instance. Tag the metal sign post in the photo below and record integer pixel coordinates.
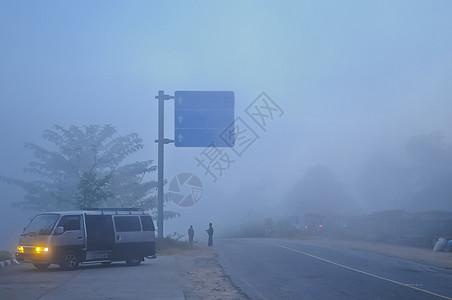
(161, 97)
(202, 119)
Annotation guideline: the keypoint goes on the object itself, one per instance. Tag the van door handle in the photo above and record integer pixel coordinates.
(80, 237)
(118, 237)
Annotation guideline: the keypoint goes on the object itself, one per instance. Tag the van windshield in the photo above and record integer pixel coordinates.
(41, 224)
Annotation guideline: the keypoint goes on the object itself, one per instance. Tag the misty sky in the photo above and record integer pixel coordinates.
(353, 78)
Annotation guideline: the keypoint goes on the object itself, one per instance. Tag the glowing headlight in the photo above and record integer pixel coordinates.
(20, 249)
(40, 249)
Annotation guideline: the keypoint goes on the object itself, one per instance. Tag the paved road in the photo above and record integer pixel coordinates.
(288, 269)
(153, 279)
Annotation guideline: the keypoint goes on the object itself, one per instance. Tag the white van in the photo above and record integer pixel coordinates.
(90, 236)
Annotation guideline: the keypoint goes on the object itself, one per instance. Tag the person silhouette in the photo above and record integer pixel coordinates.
(210, 233)
(191, 233)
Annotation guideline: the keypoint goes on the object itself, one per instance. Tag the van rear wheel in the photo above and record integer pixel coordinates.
(41, 266)
(69, 261)
(133, 261)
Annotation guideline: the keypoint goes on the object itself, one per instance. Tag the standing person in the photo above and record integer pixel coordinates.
(210, 233)
(191, 233)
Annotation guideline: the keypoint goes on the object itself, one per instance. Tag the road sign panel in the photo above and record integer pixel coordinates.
(200, 119)
(203, 119)
(202, 137)
(204, 100)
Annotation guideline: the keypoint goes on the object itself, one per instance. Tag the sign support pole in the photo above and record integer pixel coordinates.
(161, 141)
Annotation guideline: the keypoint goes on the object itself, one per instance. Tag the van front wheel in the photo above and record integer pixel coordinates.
(133, 261)
(69, 261)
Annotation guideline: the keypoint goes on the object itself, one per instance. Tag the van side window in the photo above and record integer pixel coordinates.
(147, 223)
(70, 223)
(127, 223)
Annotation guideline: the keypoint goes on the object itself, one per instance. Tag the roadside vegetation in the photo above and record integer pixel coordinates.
(87, 166)
(171, 244)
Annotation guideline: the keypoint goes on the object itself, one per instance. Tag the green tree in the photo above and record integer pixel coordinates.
(86, 168)
(319, 191)
(422, 182)
(93, 190)
(431, 166)
(384, 183)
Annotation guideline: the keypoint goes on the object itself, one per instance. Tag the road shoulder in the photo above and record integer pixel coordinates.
(419, 255)
(202, 276)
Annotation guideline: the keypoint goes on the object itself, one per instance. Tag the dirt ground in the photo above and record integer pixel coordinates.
(202, 276)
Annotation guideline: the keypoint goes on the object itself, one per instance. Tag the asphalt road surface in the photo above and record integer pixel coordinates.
(289, 269)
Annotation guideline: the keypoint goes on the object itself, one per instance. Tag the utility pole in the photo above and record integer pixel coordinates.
(161, 141)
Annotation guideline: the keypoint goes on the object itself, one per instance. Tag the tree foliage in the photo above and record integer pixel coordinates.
(319, 191)
(86, 168)
(420, 183)
(431, 167)
(384, 183)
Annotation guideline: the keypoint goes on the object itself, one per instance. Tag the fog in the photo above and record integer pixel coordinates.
(355, 82)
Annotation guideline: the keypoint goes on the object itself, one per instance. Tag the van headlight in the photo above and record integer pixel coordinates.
(20, 249)
(41, 249)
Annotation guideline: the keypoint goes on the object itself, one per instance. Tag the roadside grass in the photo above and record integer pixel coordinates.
(171, 245)
(5, 255)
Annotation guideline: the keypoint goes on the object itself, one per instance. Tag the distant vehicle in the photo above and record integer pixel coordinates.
(315, 223)
(89, 236)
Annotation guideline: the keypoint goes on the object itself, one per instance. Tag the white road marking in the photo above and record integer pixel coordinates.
(411, 286)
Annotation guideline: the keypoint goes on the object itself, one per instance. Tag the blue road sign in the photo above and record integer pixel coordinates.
(203, 119)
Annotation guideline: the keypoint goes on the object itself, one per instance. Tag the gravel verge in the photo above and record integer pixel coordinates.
(202, 276)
